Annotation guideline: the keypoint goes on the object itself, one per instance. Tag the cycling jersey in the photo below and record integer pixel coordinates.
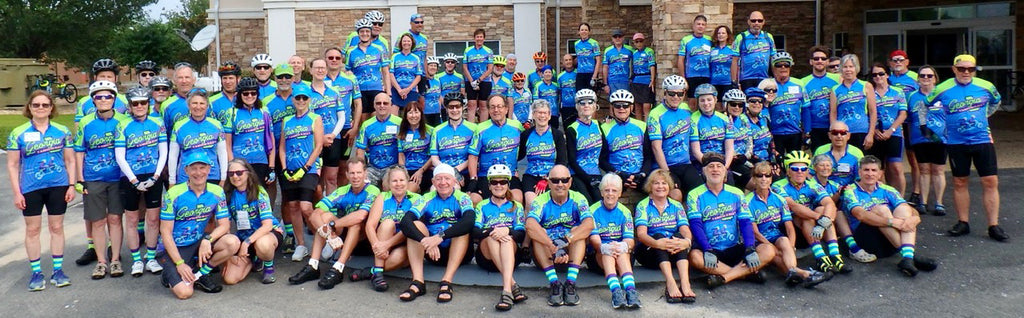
(808, 194)
(742, 133)
(548, 92)
(326, 106)
(760, 136)
(567, 89)
(852, 106)
(856, 196)
(966, 109)
(220, 105)
(642, 61)
(95, 138)
(477, 60)
(889, 106)
(719, 221)
(935, 118)
(508, 74)
(248, 216)
(251, 134)
(141, 139)
(755, 52)
(559, 219)
(785, 109)
(279, 108)
(496, 144)
(419, 47)
(198, 136)
(174, 108)
(587, 52)
(491, 216)
(86, 106)
(501, 87)
(406, 67)
(379, 138)
(831, 187)
(367, 65)
(394, 209)
(451, 83)
(589, 141)
(432, 98)
(191, 212)
(624, 144)
(268, 88)
(612, 225)
(660, 223)
(521, 102)
(438, 213)
(770, 214)
(416, 148)
(348, 90)
(905, 83)
(844, 170)
(721, 65)
(673, 127)
(380, 42)
(41, 155)
(535, 76)
(451, 143)
(818, 90)
(299, 141)
(541, 152)
(344, 200)
(711, 131)
(617, 60)
(697, 51)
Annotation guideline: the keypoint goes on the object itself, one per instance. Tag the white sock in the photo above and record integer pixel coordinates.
(339, 266)
(315, 263)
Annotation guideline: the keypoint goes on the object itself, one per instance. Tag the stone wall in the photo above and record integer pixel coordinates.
(676, 19)
(604, 16)
(793, 20)
(570, 20)
(317, 30)
(240, 39)
(456, 24)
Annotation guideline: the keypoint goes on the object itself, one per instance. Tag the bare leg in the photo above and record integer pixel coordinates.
(223, 249)
(99, 239)
(684, 277)
(456, 252)
(330, 180)
(938, 182)
(990, 191)
(152, 227)
(132, 237)
(116, 235)
(33, 228)
(56, 225)
(416, 251)
(961, 199)
(236, 269)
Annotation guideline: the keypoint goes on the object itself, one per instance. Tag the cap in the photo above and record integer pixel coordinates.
(415, 16)
(546, 68)
(284, 69)
(898, 53)
(301, 90)
(638, 36)
(444, 169)
(712, 157)
(617, 32)
(965, 58)
(197, 157)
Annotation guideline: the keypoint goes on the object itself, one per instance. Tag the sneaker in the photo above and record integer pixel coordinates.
(939, 210)
(330, 279)
(306, 274)
(569, 296)
(87, 258)
(757, 277)
(825, 264)
(840, 266)
(100, 271)
(863, 256)
(268, 278)
(997, 233)
(289, 245)
(815, 278)
(257, 265)
(907, 267)
(207, 284)
(960, 229)
(618, 299)
(555, 299)
(115, 269)
(138, 268)
(925, 264)
(633, 299)
(59, 279)
(37, 282)
(154, 267)
(300, 252)
(715, 281)
(793, 279)
(915, 200)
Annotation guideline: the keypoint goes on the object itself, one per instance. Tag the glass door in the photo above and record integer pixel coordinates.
(994, 49)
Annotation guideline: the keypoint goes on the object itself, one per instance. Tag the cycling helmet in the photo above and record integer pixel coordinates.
(585, 94)
(432, 60)
(674, 82)
(620, 96)
(782, 56)
(754, 92)
(374, 16)
(518, 76)
(499, 60)
(229, 68)
(261, 58)
(734, 95)
(138, 93)
(454, 96)
(499, 171)
(104, 65)
(705, 89)
(450, 57)
(248, 84)
(363, 24)
(159, 81)
(540, 56)
(797, 156)
(146, 65)
(98, 86)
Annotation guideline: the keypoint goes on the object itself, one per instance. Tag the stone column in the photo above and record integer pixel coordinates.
(672, 21)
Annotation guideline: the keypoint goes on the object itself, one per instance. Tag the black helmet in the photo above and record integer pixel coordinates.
(104, 65)
(146, 65)
(454, 96)
(248, 84)
(229, 68)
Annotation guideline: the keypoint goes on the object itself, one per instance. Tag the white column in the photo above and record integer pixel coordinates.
(401, 10)
(528, 35)
(281, 33)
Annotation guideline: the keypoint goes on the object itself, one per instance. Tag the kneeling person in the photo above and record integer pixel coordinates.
(259, 230)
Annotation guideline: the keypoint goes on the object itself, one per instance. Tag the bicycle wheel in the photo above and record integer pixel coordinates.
(70, 93)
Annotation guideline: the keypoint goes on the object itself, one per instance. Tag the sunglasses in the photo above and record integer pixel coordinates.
(197, 91)
(755, 101)
(41, 105)
(899, 60)
(382, 103)
(378, 23)
(621, 105)
(147, 74)
(539, 61)
(301, 97)
(819, 58)
(140, 103)
(926, 75)
(103, 97)
(833, 66)
(756, 20)
(182, 64)
(250, 93)
(496, 182)
(585, 102)
(333, 58)
(879, 74)
(836, 132)
(161, 89)
(558, 180)
(519, 81)
(285, 76)
(799, 169)
(770, 90)
(783, 65)
(414, 22)
(966, 69)
(735, 104)
(459, 106)
(675, 94)
(449, 62)
(762, 175)
(236, 173)
(262, 67)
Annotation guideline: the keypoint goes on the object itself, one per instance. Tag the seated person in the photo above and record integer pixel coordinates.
(612, 238)
(813, 208)
(499, 227)
(383, 230)
(664, 235)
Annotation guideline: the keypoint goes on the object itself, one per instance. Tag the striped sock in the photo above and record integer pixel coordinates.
(205, 269)
(288, 230)
(550, 273)
(151, 252)
(36, 267)
(907, 250)
(268, 266)
(141, 227)
(91, 246)
(613, 282)
(58, 262)
(628, 281)
(851, 243)
(574, 270)
(817, 250)
(136, 256)
(833, 248)
(376, 270)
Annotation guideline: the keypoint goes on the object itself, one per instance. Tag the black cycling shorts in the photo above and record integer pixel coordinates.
(478, 94)
(693, 83)
(332, 154)
(130, 195)
(983, 156)
(642, 93)
(52, 198)
(930, 152)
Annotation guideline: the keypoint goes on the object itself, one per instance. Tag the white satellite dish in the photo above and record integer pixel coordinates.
(204, 37)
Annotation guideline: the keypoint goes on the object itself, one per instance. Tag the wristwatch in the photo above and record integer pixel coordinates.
(440, 234)
(208, 238)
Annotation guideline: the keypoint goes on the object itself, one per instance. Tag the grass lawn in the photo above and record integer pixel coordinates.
(9, 122)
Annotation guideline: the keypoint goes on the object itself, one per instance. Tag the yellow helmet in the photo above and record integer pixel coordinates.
(797, 156)
(499, 60)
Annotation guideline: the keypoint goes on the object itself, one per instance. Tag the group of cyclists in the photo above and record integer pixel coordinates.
(736, 165)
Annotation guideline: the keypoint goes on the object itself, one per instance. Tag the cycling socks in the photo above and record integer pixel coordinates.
(613, 282)
(136, 256)
(550, 273)
(58, 262)
(907, 250)
(817, 250)
(628, 281)
(851, 243)
(376, 270)
(268, 266)
(36, 267)
(205, 269)
(150, 252)
(833, 248)
(574, 270)
(91, 246)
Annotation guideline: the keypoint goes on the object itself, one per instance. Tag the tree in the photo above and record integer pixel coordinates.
(191, 18)
(148, 40)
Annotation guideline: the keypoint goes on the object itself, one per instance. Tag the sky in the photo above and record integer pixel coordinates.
(154, 10)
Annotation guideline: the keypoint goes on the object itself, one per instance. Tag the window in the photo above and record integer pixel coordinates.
(839, 41)
(444, 47)
(883, 16)
(780, 42)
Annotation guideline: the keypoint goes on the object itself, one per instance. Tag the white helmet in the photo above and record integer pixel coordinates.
(782, 56)
(432, 60)
(261, 58)
(621, 96)
(499, 170)
(585, 94)
(102, 86)
(674, 82)
(450, 57)
(363, 24)
(734, 95)
(374, 16)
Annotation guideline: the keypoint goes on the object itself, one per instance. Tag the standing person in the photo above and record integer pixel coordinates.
(547, 90)
(260, 232)
(543, 147)
(755, 48)
(522, 100)
(624, 151)
(97, 169)
(743, 140)
(176, 107)
(298, 65)
(449, 143)
(406, 73)
(350, 109)
(141, 139)
(664, 236)
(197, 133)
(421, 43)
(41, 168)
(510, 68)
(892, 111)
(299, 153)
(368, 64)
(262, 69)
(414, 147)
(786, 109)
(326, 103)
(643, 72)
(584, 143)
(902, 77)
(616, 59)
(499, 227)
(496, 141)
(378, 139)
(477, 66)
(160, 87)
(375, 24)
(383, 229)
(818, 86)
(248, 132)
(694, 58)
(966, 101)
(844, 155)
(280, 106)
(612, 238)
(760, 135)
(431, 98)
(930, 150)
(724, 60)
(567, 90)
(540, 59)
(102, 70)
(146, 70)
(853, 103)
(500, 85)
(669, 128)
(712, 131)
(451, 81)
(833, 65)
(588, 53)
(222, 102)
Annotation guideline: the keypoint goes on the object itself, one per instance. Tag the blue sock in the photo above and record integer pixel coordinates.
(551, 274)
(613, 282)
(58, 262)
(36, 267)
(628, 281)
(574, 270)
(851, 243)
(833, 248)
(205, 269)
(907, 251)
(268, 266)
(150, 252)
(818, 251)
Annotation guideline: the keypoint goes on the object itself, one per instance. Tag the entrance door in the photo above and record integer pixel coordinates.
(936, 47)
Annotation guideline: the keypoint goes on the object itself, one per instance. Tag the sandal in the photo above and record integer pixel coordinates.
(444, 289)
(410, 294)
(672, 300)
(689, 299)
(379, 284)
(517, 294)
(360, 274)
(505, 302)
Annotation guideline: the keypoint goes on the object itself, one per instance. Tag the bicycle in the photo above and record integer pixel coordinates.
(1016, 84)
(65, 90)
